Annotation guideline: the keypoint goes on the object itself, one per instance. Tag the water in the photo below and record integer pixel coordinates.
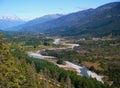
(81, 70)
(56, 41)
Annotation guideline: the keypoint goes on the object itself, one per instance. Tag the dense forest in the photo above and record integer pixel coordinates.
(100, 55)
(17, 70)
(14, 72)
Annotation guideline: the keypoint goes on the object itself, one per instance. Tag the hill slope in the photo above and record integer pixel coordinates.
(101, 21)
(39, 20)
(104, 21)
(61, 22)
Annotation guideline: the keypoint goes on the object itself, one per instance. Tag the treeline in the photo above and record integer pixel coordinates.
(29, 39)
(37, 41)
(70, 55)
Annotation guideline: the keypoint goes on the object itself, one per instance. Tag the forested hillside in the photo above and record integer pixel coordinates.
(17, 70)
(14, 72)
(98, 22)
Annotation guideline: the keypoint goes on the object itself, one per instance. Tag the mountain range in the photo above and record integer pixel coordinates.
(35, 21)
(10, 21)
(100, 21)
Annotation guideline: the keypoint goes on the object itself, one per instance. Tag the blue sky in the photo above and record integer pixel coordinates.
(36, 8)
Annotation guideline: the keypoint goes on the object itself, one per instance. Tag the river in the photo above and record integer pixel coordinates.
(81, 70)
(57, 41)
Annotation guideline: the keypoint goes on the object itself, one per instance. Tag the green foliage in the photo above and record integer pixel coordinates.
(21, 74)
(61, 75)
(15, 73)
(113, 72)
(104, 51)
(59, 61)
(70, 55)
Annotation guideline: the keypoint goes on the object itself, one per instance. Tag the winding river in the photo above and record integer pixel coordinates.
(81, 70)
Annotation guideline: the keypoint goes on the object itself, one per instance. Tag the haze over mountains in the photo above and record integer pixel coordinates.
(10, 21)
(101, 21)
(39, 20)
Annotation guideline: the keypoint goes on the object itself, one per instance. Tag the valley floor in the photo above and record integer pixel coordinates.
(81, 70)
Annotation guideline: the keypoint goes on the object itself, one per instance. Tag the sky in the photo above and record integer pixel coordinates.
(30, 9)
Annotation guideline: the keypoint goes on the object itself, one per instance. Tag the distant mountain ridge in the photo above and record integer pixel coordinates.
(10, 21)
(39, 20)
(59, 22)
(101, 21)
(43, 19)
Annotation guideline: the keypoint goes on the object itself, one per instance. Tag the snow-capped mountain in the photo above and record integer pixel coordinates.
(9, 18)
(10, 21)
(36, 21)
